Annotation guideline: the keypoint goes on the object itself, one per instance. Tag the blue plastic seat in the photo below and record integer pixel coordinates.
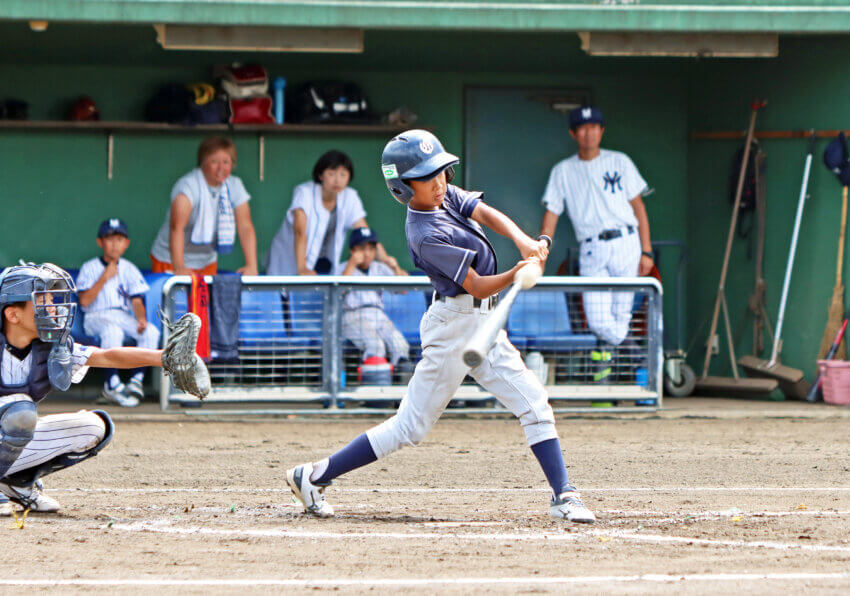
(405, 310)
(261, 320)
(306, 318)
(541, 321)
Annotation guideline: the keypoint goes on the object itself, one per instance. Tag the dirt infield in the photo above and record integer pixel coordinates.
(689, 505)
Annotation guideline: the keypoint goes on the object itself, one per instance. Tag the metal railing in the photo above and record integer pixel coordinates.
(295, 344)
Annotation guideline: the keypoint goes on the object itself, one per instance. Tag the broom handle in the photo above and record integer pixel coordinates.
(801, 202)
(755, 106)
(840, 266)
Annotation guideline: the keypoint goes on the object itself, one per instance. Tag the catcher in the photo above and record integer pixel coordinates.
(38, 355)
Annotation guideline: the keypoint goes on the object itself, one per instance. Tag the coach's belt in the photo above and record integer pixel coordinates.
(611, 234)
(476, 302)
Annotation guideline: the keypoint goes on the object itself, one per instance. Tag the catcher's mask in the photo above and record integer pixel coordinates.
(50, 289)
(414, 155)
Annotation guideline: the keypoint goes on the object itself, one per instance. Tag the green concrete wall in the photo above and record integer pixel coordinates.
(806, 87)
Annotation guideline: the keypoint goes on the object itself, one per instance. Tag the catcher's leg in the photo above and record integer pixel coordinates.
(18, 418)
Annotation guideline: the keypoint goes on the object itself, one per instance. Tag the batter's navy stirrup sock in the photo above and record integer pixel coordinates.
(356, 454)
(548, 453)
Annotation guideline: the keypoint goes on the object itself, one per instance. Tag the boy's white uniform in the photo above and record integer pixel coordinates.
(110, 316)
(365, 323)
(58, 433)
(596, 194)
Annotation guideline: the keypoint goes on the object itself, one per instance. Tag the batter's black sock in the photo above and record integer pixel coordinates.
(356, 454)
(548, 453)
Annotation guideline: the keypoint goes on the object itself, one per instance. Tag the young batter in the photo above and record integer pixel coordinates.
(447, 242)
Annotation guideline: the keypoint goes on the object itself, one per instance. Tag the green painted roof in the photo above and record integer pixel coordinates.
(804, 16)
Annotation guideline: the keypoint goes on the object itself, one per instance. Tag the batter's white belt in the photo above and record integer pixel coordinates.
(468, 303)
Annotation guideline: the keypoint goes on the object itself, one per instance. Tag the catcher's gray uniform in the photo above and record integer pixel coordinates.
(365, 323)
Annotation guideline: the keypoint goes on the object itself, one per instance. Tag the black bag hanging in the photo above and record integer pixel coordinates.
(754, 180)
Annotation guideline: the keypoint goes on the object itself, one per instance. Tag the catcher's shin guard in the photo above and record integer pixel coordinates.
(29, 476)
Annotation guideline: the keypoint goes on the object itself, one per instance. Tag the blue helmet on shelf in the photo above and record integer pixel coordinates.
(414, 155)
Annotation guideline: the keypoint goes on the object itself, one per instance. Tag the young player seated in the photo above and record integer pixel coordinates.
(112, 295)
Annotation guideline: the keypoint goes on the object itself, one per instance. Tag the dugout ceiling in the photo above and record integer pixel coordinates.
(812, 16)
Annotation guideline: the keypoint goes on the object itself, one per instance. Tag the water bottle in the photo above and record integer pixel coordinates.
(279, 86)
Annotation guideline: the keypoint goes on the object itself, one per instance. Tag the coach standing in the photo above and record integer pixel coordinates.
(602, 192)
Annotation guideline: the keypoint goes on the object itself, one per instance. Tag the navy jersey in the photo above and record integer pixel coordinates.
(445, 243)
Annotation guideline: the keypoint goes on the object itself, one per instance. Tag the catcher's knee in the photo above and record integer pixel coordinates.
(17, 423)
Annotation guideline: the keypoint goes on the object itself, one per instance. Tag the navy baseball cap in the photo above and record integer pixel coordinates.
(586, 115)
(112, 226)
(360, 236)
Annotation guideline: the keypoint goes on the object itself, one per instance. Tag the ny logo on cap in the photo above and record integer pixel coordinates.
(586, 113)
(365, 232)
(114, 223)
(426, 146)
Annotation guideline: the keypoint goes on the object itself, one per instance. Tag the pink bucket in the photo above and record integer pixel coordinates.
(835, 381)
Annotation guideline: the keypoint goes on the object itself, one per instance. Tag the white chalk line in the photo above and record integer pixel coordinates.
(436, 581)
(167, 527)
(477, 490)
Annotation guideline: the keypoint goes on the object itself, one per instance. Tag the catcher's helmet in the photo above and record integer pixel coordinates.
(414, 155)
(50, 288)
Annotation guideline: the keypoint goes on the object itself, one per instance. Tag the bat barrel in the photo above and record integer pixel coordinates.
(481, 341)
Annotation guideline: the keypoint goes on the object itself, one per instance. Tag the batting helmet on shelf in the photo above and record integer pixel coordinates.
(414, 155)
(84, 109)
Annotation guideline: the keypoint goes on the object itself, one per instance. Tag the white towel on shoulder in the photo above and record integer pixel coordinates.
(213, 215)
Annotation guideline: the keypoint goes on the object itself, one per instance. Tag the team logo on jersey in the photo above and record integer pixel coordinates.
(390, 171)
(125, 295)
(426, 146)
(613, 180)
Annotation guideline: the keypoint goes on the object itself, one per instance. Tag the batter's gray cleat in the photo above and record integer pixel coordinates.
(312, 496)
(30, 497)
(135, 389)
(118, 396)
(568, 506)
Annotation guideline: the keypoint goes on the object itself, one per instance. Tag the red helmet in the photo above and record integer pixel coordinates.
(84, 109)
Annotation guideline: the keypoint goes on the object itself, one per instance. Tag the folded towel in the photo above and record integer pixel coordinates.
(225, 308)
(209, 219)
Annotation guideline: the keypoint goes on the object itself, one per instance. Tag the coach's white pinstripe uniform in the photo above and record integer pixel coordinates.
(365, 323)
(110, 315)
(596, 194)
(58, 433)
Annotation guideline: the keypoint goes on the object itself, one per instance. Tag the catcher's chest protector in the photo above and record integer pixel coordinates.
(38, 384)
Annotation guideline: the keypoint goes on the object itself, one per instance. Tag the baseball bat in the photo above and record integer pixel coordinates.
(481, 342)
(812, 395)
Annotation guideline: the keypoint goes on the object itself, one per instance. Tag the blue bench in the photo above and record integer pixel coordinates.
(261, 320)
(541, 321)
(405, 310)
(306, 312)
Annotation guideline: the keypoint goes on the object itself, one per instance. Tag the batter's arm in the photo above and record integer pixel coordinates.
(484, 286)
(501, 224)
(643, 231)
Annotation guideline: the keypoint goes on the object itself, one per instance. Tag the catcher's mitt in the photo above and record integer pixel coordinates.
(179, 358)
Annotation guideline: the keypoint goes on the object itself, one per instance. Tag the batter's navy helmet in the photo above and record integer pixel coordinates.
(414, 155)
(50, 289)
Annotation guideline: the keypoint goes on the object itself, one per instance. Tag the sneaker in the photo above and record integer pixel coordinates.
(30, 497)
(118, 396)
(135, 389)
(311, 495)
(5, 506)
(568, 506)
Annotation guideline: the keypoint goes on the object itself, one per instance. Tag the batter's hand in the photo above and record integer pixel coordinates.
(535, 248)
(645, 266)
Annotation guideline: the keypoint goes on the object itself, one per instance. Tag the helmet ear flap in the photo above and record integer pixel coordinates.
(450, 174)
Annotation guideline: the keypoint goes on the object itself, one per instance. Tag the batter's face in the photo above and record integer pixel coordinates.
(588, 136)
(217, 167)
(428, 195)
(335, 180)
(113, 246)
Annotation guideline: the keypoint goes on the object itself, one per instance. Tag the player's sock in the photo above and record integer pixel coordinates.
(138, 375)
(112, 378)
(356, 454)
(548, 453)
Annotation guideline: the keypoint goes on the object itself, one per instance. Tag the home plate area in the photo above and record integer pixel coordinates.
(684, 505)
